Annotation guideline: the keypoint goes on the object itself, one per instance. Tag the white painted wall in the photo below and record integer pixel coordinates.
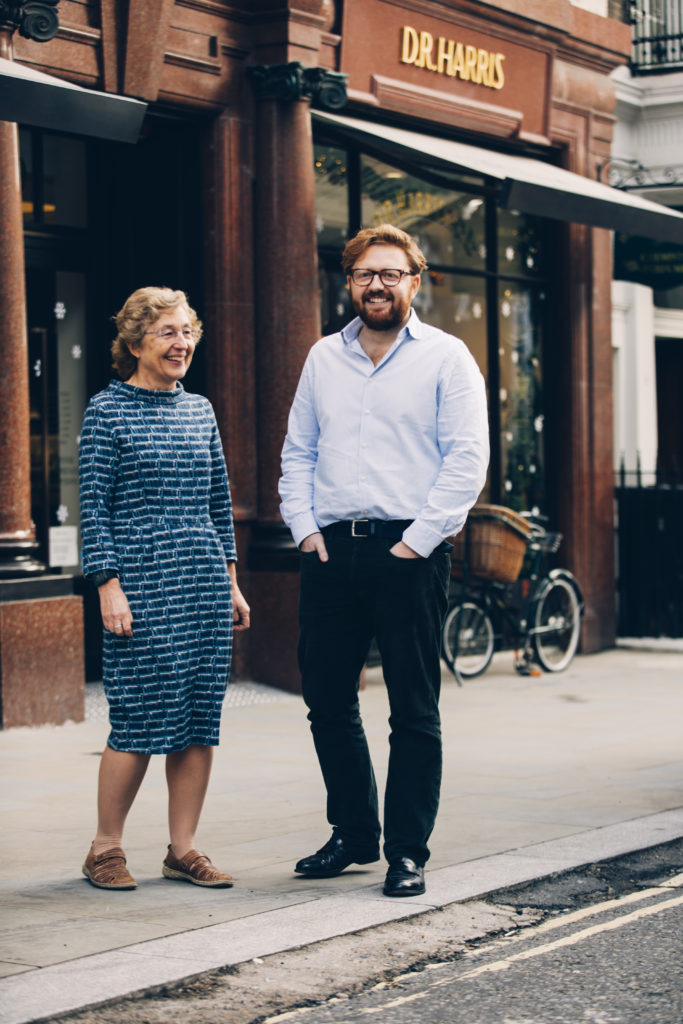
(635, 381)
(649, 130)
(649, 124)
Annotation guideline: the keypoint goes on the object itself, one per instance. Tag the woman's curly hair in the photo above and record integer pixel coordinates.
(139, 311)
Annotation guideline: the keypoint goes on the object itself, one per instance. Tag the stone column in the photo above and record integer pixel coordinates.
(286, 281)
(582, 120)
(229, 320)
(17, 533)
(287, 324)
(41, 620)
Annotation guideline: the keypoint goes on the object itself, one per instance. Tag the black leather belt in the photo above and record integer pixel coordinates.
(392, 528)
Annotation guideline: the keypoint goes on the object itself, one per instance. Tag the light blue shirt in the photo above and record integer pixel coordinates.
(406, 439)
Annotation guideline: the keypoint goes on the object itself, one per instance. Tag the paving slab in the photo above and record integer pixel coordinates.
(540, 775)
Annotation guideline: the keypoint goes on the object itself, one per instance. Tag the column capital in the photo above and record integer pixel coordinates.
(288, 82)
(34, 19)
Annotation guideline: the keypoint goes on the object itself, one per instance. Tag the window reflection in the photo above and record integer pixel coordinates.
(521, 244)
(335, 301)
(456, 304)
(53, 179)
(331, 196)
(64, 195)
(26, 167)
(448, 225)
(521, 397)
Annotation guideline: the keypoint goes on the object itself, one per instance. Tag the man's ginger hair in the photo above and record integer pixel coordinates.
(383, 234)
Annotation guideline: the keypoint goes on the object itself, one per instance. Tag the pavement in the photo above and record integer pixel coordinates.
(541, 775)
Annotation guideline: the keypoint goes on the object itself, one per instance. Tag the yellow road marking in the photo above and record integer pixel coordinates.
(503, 964)
(571, 940)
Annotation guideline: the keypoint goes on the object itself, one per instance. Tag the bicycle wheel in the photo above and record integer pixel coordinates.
(474, 636)
(557, 622)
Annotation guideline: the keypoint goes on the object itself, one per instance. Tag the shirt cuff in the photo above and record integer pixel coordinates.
(303, 526)
(421, 538)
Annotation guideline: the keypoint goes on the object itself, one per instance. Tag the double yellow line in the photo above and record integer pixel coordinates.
(563, 921)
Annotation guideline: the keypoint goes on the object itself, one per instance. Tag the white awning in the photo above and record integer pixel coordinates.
(525, 184)
(43, 101)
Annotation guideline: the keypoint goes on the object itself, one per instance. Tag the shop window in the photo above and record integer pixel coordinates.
(335, 300)
(520, 396)
(56, 308)
(26, 166)
(486, 284)
(64, 191)
(457, 304)
(448, 225)
(332, 196)
(521, 247)
(53, 179)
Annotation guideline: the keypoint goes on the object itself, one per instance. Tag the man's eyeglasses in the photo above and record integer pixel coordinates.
(388, 277)
(168, 333)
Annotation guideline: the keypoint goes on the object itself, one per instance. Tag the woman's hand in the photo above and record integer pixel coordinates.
(116, 614)
(241, 612)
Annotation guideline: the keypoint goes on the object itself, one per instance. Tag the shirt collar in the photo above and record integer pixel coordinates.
(413, 329)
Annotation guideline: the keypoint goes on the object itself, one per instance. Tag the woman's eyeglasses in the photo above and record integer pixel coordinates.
(168, 333)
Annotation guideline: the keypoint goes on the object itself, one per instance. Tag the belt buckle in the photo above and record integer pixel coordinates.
(353, 527)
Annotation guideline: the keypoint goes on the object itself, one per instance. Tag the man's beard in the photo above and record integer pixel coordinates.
(384, 321)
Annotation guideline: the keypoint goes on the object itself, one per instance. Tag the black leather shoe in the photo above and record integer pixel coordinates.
(404, 878)
(332, 858)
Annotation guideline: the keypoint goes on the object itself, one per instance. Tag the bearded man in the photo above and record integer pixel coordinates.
(386, 451)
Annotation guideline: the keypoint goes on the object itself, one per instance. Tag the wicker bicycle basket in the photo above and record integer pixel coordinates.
(497, 543)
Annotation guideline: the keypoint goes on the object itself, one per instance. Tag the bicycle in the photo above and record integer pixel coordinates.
(537, 614)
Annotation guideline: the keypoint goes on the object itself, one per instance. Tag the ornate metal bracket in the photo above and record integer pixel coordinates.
(287, 82)
(34, 19)
(627, 174)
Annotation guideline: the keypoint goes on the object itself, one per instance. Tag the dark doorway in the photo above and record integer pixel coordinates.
(146, 228)
(669, 361)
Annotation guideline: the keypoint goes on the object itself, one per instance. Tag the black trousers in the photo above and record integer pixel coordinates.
(361, 592)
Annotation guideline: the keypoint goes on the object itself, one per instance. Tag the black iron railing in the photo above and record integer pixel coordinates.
(657, 36)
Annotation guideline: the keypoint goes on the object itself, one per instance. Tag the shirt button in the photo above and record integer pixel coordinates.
(363, 478)
(367, 412)
(364, 445)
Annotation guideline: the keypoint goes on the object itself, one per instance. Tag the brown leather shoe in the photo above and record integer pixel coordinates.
(195, 867)
(108, 870)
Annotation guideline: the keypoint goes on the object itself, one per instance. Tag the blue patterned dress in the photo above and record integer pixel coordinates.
(155, 506)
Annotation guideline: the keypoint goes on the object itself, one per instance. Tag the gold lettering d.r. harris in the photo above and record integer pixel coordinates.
(452, 58)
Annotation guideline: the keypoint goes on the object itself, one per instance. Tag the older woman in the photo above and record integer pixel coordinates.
(158, 542)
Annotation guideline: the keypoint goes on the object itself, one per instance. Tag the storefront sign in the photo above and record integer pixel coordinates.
(658, 265)
(452, 57)
(442, 64)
